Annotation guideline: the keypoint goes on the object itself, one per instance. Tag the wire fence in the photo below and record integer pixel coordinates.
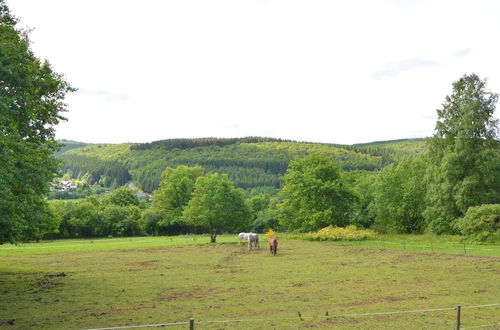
(191, 322)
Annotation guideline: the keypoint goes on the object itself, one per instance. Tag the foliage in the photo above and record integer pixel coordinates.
(248, 162)
(173, 195)
(200, 142)
(399, 197)
(114, 215)
(349, 233)
(363, 184)
(31, 103)
(267, 217)
(123, 197)
(391, 151)
(464, 163)
(481, 223)
(317, 195)
(106, 173)
(217, 205)
(82, 191)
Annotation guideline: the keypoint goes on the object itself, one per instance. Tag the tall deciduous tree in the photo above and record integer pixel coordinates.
(31, 103)
(318, 195)
(464, 158)
(399, 197)
(217, 205)
(174, 193)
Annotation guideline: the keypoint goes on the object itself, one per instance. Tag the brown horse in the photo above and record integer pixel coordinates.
(273, 246)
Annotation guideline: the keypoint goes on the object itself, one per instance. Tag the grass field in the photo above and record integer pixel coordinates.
(78, 284)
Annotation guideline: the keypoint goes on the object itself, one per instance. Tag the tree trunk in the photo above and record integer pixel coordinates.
(213, 235)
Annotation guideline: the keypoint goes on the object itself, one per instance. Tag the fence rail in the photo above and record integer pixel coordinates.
(191, 322)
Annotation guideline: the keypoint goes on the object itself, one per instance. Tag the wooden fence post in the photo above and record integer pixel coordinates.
(191, 324)
(458, 317)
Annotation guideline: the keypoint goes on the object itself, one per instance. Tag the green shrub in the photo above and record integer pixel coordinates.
(481, 223)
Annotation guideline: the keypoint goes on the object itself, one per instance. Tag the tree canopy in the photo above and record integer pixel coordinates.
(31, 104)
(217, 205)
(464, 163)
(399, 197)
(317, 194)
(174, 193)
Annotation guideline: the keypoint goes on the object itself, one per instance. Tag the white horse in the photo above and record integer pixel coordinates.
(251, 238)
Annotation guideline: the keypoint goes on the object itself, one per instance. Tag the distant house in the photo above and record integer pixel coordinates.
(66, 185)
(142, 195)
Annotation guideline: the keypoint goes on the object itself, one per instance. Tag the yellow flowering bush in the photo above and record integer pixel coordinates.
(349, 233)
(271, 234)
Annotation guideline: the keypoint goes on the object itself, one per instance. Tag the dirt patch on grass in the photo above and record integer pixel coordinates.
(374, 301)
(48, 282)
(8, 322)
(227, 269)
(146, 263)
(191, 294)
(298, 285)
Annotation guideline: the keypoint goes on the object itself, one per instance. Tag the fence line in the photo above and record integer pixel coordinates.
(142, 326)
(191, 322)
(481, 326)
(432, 246)
(479, 306)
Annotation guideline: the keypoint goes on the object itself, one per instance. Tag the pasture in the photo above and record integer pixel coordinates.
(78, 284)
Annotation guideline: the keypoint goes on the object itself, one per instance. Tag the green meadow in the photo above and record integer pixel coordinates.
(80, 284)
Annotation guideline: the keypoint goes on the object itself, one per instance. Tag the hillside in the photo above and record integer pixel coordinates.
(249, 162)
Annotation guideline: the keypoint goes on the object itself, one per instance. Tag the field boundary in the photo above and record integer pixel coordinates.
(299, 317)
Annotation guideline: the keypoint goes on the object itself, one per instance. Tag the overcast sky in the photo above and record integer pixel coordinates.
(323, 71)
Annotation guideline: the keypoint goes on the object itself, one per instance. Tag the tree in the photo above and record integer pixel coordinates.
(31, 103)
(174, 193)
(464, 166)
(318, 195)
(363, 183)
(123, 197)
(217, 205)
(266, 218)
(399, 197)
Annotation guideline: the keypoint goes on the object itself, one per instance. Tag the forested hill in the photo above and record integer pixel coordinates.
(249, 162)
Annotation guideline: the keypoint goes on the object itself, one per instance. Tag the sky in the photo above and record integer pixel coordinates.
(320, 71)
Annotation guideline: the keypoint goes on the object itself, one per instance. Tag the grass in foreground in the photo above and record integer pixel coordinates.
(148, 282)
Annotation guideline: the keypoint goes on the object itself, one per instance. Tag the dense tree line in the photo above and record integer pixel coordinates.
(105, 172)
(116, 214)
(170, 144)
(248, 164)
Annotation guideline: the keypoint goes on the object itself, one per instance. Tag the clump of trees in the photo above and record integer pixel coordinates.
(453, 188)
(190, 199)
(217, 205)
(398, 197)
(463, 160)
(317, 195)
(118, 213)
